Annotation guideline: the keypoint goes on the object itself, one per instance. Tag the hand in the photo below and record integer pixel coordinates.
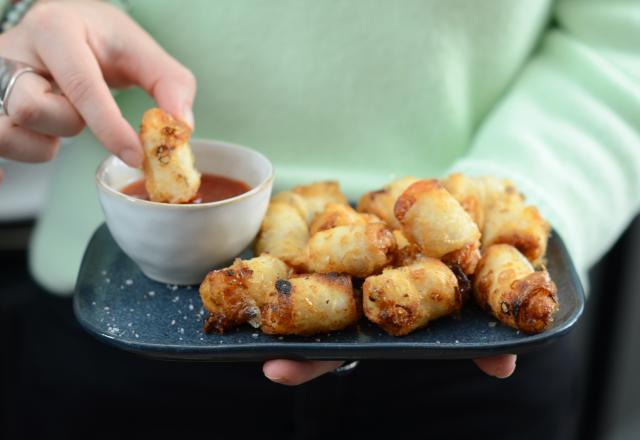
(85, 48)
(287, 372)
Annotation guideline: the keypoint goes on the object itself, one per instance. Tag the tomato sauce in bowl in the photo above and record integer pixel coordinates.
(213, 188)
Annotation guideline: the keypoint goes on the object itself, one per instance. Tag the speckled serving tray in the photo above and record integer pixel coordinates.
(119, 305)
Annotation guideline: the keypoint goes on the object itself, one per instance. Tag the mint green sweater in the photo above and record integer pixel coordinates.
(547, 94)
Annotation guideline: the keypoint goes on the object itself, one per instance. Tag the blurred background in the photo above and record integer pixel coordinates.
(606, 338)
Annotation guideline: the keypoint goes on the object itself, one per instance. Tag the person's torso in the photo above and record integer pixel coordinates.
(354, 90)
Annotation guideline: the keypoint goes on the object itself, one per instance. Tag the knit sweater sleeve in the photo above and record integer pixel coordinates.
(568, 131)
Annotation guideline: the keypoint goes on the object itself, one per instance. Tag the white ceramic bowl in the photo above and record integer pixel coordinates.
(179, 244)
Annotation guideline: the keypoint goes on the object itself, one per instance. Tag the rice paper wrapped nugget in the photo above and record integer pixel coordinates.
(407, 298)
(501, 214)
(169, 164)
(507, 286)
(381, 203)
(234, 295)
(284, 234)
(309, 304)
(469, 192)
(434, 220)
(338, 214)
(359, 250)
(510, 221)
(310, 200)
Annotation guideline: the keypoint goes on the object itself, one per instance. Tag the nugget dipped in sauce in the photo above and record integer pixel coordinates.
(170, 173)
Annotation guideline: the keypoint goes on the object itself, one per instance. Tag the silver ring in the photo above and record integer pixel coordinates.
(10, 71)
(346, 368)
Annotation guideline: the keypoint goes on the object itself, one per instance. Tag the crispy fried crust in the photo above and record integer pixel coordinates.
(466, 258)
(283, 234)
(512, 222)
(507, 286)
(500, 212)
(310, 304)
(337, 214)
(234, 295)
(435, 221)
(359, 250)
(310, 200)
(407, 298)
(381, 202)
(170, 174)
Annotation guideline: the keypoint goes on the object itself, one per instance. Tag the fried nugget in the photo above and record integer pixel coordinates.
(501, 214)
(310, 200)
(507, 286)
(283, 234)
(434, 220)
(359, 250)
(381, 202)
(169, 164)
(407, 298)
(309, 304)
(510, 221)
(234, 295)
(337, 214)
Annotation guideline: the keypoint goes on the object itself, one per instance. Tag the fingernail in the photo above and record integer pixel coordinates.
(187, 116)
(276, 379)
(131, 157)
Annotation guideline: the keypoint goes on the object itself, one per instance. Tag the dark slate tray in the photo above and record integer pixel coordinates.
(117, 304)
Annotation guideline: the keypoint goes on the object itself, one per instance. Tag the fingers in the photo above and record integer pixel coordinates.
(32, 105)
(498, 366)
(288, 372)
(76, 71)
(171, 84)
(23, 145)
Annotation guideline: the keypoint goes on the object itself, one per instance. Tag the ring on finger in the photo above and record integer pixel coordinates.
(10, 71)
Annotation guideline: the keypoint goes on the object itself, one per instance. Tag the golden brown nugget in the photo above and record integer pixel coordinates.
(358, 250)
(507, 286)
(478, 194)
(337, 214)
(234, 295)
(407, 298)
(469, 192)
(381, 202)
(500, 212)
(283, 234)
(310, 200)
(437, 223)
(169, 164)
(310, 304)
(510, 221)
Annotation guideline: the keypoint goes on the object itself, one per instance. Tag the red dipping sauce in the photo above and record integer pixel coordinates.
(213, 188)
